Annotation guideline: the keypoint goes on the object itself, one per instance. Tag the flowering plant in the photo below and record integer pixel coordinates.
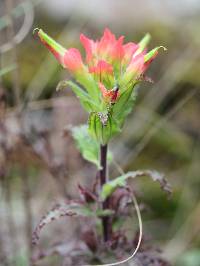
(108, 77)
(105, 85)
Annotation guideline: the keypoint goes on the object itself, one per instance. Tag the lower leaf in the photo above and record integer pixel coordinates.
(60, 210)
(121, 181)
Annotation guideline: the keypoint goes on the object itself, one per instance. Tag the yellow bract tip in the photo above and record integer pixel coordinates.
(36, 30)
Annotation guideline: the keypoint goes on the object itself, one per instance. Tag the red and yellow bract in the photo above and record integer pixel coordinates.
(108, 60)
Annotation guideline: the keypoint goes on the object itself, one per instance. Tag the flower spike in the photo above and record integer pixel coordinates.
(107, 76)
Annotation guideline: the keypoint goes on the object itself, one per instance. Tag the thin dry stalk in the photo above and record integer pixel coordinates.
(15, 73)
(27, 210)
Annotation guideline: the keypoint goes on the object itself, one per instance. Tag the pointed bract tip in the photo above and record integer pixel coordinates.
(145, 41)
(151, 54)
(146, 38)
(160, 47)
(61, 85)
(143, 44)
(164, 48)
(36, 31)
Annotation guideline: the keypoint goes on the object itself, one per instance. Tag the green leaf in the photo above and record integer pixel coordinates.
(124, 105)
(121, 181)
(87, 145)
(87, 81)
(85, 99)
(102, 127)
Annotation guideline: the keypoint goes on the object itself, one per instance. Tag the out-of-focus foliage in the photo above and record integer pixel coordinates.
(190, 258)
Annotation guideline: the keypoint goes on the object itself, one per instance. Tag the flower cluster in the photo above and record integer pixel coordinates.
(108, 74)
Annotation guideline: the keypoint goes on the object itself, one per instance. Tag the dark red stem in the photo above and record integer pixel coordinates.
(107, 230)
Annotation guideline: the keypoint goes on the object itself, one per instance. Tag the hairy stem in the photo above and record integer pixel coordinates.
(106, 223)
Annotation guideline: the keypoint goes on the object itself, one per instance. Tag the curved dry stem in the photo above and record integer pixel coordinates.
(28, 9)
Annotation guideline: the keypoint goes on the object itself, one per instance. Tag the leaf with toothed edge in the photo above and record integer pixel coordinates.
(71, 209)
(121, 181)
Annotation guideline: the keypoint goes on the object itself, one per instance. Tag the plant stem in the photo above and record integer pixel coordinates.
(107, 230)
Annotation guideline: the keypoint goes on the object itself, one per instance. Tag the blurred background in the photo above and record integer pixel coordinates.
(39, 163)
